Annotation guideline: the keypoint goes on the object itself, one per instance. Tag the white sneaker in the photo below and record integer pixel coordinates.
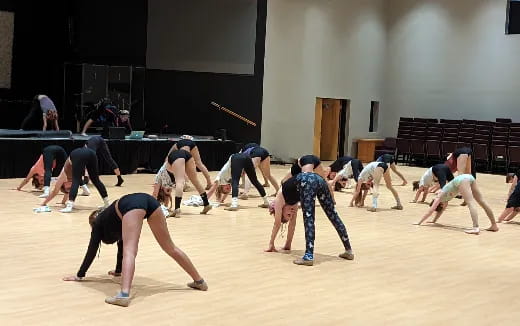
(68, 209)
(42, 209)
(86, 191)
(45, 193)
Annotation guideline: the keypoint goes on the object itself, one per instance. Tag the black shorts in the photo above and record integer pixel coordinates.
(138, 201)
(180, 153)
(186, 142)
(259, 152)
(514, 199)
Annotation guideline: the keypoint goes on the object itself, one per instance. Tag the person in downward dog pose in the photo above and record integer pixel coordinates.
(305, 188)
(74, 168)
(98, 145)
(181, 163)
(513, 202)
(439, 173)
(42, 106)
(342, 170)
(467, 186)
(245, 148)
(228, 180)
(307, 163)
(261, 159)
(52, 159)
(372, 174)
(122, 222)
(389, 159)
(163, 187)
(461, 161)
(186, 143)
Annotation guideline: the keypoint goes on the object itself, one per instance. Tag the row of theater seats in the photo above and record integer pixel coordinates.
(495, 144)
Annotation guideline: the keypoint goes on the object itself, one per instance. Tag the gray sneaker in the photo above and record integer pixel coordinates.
(198, 286)
(304, 262)
(118, 301)
(348, 255)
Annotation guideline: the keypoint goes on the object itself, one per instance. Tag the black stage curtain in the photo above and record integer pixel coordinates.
(18, 155)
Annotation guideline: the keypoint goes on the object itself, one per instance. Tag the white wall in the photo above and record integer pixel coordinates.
(450, 59)
(422, 58)
(325, 48)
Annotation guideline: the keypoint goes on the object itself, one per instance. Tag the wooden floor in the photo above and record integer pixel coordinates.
(402, 275)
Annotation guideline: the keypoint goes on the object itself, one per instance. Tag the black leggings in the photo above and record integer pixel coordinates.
(82, 158)
(31, 121)
(51, 153)
(241, 162)
(99, 145)
(357, 167)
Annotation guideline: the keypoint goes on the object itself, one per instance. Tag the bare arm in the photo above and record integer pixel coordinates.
(357, 192)
(44, 122)
(430, 211)
(31, 173)
(513, 185)
(394, 168)
(279, 202)
(425, 193)
(438, 214)
(156, 188)
(212, 190)
(290, 231)
(56, 122)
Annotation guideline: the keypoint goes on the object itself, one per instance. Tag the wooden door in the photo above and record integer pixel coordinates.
(330, 121)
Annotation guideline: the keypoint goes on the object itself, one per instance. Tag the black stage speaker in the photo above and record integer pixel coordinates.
(513, 17)
(114, 133)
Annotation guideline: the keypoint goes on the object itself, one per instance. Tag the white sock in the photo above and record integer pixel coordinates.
(374, 202)
(266, 201)
(234, 202)
(105, 201)
(46, 190)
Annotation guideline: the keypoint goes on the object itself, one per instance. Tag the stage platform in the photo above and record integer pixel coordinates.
(18, 154)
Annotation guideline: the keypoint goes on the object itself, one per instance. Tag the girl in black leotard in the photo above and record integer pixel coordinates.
(74, 168)
(340, 174)
(123, 219)
(461, 161)
(186, 143)
(307, 163)
(389, 159)
(181, 163)
(305, 188)
(228, 178)
(261, 159)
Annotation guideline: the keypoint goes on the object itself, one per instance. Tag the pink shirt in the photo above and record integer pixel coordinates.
(38, 167)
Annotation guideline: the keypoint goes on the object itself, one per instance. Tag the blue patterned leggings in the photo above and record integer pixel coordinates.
(311, 186)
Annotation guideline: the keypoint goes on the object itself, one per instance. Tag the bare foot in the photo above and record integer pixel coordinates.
(371, 209)
(493, 228)
(271, 249)
(404, 183)
(286, 248)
